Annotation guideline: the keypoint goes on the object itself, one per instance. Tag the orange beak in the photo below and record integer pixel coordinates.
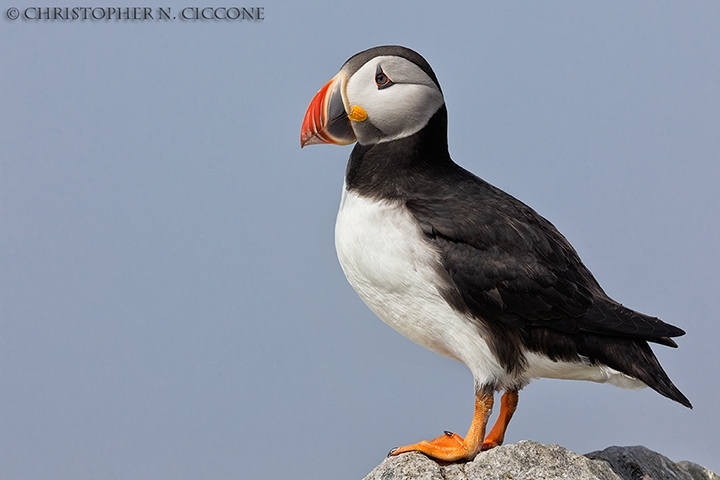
(326, 119)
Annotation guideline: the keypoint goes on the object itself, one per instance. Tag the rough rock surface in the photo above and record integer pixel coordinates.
(641, 463)
(698, 472)
(528, 460)
(523, 460)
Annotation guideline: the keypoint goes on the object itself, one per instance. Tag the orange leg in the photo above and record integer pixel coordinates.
(451, 446)
(508, 404)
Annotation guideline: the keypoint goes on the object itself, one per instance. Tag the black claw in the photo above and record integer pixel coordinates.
(393, 450)
(449, 433)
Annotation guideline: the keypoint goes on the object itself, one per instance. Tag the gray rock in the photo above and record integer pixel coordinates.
(521, 461)
(528, 460)
(698, 472)
(641, 463)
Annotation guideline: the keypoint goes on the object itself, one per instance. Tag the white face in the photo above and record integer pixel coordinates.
(396, 110)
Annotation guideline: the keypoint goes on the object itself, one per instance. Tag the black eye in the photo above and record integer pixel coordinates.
(381, 80)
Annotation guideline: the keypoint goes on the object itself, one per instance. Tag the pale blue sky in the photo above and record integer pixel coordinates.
(170, 302)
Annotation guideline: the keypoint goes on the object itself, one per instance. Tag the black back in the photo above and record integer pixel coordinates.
(505, 265)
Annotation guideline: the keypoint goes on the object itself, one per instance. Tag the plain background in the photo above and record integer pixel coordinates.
(170, 302)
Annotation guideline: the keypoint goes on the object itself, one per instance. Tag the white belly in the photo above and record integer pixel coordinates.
(392, 268)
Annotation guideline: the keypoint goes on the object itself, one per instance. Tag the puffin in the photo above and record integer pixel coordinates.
(459, 266)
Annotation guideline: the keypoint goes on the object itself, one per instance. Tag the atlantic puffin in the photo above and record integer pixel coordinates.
(459, 266)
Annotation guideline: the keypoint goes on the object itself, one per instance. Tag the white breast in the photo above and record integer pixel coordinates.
(392, 268)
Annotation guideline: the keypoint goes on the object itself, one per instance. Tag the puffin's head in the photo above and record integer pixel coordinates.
(379, 95)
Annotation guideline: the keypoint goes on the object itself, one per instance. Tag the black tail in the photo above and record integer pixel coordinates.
(607, 317)
(633, 357)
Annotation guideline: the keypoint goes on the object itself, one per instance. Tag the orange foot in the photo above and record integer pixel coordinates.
(451, 446)
(508, 404)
